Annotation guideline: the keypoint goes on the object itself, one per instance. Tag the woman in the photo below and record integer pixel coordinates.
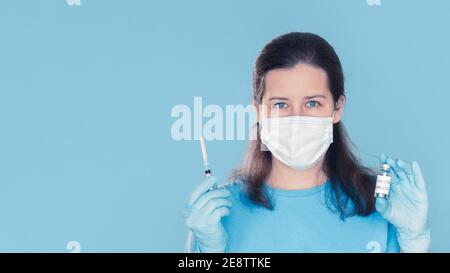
(300, 187)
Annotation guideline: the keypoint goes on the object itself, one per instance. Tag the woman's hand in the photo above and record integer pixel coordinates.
(407, 205)
(203, 214)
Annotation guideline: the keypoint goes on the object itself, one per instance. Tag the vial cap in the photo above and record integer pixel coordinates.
(385, 167)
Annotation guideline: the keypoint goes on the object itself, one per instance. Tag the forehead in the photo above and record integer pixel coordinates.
(300, 80)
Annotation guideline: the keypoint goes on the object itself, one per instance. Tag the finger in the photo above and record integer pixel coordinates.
(383, 207)
(218, 213)
(391, 163)
(215, 203)
(401, 175)
(419, 180)
(405, 166)
(202, 188)
(205, 197)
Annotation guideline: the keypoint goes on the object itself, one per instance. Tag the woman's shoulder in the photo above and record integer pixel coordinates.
(237, 191)
(234, 186)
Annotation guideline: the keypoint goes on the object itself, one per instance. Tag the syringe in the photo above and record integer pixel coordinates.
(205, 157)
(208, 169)
(205, 161)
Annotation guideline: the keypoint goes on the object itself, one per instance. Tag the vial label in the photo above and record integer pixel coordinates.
(383, 184)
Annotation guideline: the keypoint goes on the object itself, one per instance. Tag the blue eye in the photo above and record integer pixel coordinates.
(312, 103)
(280, 105)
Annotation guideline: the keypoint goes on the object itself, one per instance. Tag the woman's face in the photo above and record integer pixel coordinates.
(299, 91)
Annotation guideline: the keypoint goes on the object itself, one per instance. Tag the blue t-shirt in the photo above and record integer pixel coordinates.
(301, 221)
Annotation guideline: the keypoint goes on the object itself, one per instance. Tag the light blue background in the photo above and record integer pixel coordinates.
(86, 93)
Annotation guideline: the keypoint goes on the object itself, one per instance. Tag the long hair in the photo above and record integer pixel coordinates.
(351, 189)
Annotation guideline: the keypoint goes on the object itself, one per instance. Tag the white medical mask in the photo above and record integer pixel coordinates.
(300, 142)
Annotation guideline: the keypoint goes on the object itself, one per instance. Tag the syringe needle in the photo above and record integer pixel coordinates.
(205, 157)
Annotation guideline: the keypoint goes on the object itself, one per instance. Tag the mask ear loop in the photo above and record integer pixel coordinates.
(333, 116)
(262, 146)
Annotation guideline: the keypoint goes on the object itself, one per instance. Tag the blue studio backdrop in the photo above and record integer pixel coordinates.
(87, 158)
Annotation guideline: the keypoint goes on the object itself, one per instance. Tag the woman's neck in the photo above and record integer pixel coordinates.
(283, 177)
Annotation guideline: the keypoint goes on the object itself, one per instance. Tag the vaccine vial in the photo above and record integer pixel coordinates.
(383, 183)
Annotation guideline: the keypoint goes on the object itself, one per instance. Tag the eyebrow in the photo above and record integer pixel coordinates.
(315, 96)
(306, 97)
(278, 98)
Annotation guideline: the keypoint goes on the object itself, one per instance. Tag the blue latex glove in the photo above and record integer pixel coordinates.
(203, 214)
(407, 205)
